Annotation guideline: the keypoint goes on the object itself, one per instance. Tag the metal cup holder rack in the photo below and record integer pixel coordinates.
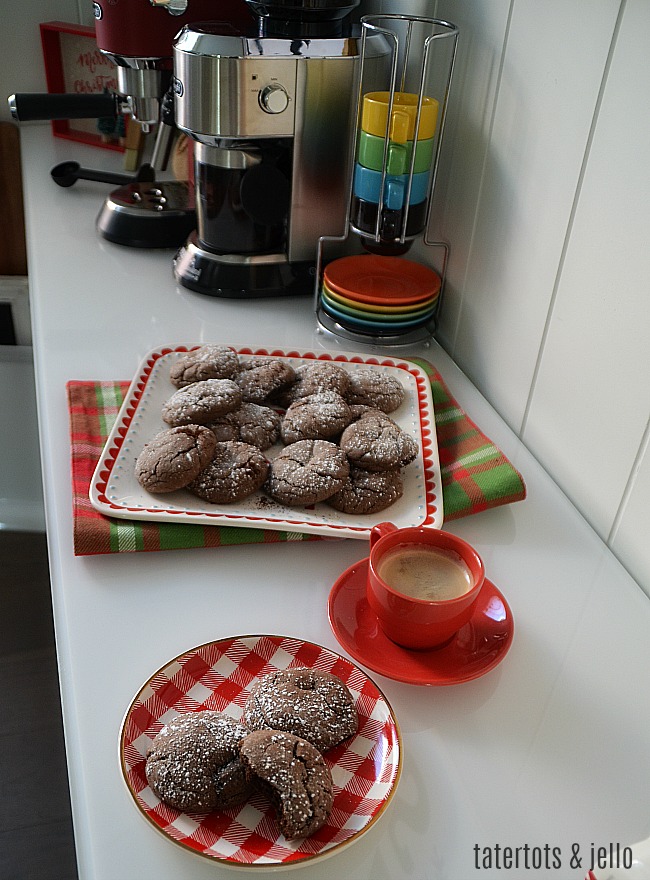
(401, 110)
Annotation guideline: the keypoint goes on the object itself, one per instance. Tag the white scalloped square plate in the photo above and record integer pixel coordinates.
(115, 492)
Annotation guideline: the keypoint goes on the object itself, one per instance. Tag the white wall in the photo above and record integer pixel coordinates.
(21, 55)
(543, 192)
(544, 198)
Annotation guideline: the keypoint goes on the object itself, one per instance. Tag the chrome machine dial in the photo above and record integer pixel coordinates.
(274, 98)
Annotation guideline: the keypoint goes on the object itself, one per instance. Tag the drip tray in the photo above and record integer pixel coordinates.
(148, 215)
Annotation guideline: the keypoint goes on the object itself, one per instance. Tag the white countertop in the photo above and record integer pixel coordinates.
(550, 748)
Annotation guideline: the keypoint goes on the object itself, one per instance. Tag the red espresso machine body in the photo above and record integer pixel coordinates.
(139, 29)
(138, 36)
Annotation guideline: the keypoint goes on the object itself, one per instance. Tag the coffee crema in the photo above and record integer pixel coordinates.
(425, 573)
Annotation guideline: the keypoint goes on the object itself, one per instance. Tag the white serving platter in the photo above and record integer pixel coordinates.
(115, 492)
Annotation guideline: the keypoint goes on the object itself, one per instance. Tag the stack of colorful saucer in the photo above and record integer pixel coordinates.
(379, 295)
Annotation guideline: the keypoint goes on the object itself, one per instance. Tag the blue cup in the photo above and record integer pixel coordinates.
(367, 186)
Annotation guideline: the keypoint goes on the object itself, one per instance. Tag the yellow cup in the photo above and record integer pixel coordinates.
(374, 115)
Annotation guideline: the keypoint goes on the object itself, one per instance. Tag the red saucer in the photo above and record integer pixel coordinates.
(477, 648)
(381, 281)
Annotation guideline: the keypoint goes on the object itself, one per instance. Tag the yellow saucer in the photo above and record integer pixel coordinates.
(378, 309)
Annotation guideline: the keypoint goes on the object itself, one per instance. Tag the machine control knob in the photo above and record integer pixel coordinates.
(274, 98)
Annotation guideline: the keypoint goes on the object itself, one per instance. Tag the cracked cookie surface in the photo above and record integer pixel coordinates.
(368, 492)
(293, 774)
(310, 703)
(193, 763)
(251, 423)
(207, 362)
(261, 378)
(315, 378)
(307, 472)
(201, 402)
(376, 443)
(235, 471)
(320, 416)
(174, 457)
(370, 388)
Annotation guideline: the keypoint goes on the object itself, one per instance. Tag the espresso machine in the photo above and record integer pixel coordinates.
(270, 109)
(137, 36)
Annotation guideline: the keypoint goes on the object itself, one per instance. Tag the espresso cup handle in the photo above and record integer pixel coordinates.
(380, 531)
(399, 127)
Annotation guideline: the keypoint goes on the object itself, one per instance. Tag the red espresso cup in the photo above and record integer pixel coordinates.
(422, 584)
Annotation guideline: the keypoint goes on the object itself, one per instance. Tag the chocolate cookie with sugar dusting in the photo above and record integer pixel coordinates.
(320, 416)
(367, 492)
(206, 362)
(376, 389)
(310, 703)
(376, 443)
(314, 378)
(294, 776)
(306, 472)
(262, 377)
(201, 402)
(250, 423)
(174, 457)
(235, 472)
(193, 764)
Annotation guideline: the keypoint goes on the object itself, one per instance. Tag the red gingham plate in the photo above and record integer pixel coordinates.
(115, 492)
(218, 676)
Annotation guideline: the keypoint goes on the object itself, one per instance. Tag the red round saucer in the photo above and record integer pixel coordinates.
(477, 648)
(381, 281)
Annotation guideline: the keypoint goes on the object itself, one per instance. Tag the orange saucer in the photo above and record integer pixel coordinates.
(476, 649)
(387, 311)
(381, 281)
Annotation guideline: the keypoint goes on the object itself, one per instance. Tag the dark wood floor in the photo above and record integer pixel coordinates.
(36, 841)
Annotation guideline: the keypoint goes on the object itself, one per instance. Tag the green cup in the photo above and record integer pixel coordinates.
(370, 154)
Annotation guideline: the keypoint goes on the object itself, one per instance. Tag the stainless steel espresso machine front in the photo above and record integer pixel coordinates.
(271, 111)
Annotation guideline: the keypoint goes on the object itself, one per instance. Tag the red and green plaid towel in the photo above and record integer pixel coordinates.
(475, 476)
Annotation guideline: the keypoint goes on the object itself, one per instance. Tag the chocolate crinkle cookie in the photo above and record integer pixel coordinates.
(201, 402)
(174, 458)
(376, 443)
(259, 379)
(309, 703)
(315, 378)
(235, 472)
(294, 776)
(320, 416)
(194, 765)
(251, 423)
(368, 491)
(375, 389)
(207, 362)
(307, 472)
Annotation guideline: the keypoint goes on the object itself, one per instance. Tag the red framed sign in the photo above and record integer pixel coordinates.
(74, 65)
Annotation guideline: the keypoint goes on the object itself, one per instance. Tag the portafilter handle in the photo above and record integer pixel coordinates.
(26, 106)
(68, 173)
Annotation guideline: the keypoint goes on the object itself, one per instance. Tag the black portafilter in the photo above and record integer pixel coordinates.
(27, 107)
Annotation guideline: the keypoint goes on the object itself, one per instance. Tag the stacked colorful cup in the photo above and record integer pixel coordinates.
(379, 295)
(390, 142)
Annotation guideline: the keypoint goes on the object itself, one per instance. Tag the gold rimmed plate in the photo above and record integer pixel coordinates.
(219, 676)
